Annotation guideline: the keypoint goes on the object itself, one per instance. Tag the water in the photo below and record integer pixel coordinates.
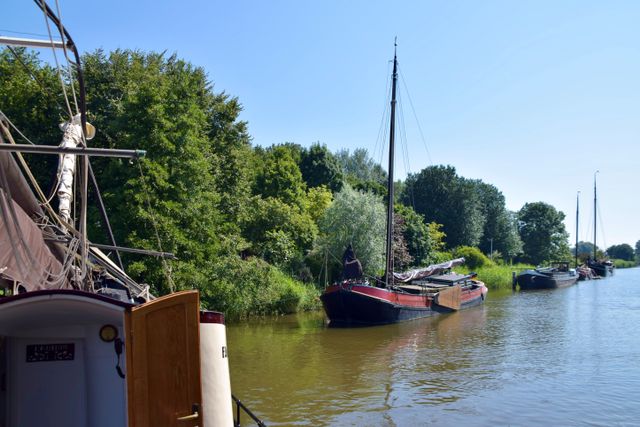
(566, 357)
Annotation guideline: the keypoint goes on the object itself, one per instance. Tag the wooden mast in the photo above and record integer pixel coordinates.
(577, 219)
(388, 274)
(595, 216)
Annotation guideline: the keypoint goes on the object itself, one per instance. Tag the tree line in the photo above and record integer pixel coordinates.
(256, 229)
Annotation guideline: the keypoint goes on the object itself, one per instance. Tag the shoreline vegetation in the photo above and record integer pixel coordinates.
(258, 229)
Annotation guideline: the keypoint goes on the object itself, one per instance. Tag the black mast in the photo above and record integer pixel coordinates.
(577, 219)
(388, 274)
(595, 216)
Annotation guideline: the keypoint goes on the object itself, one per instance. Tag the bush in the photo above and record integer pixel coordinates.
(621, 263)
(474, 258)
(243, 288)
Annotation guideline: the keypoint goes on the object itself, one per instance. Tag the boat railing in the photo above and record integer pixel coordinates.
(240, 405)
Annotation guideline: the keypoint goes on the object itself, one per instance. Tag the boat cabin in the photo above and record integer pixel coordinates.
(73, 358)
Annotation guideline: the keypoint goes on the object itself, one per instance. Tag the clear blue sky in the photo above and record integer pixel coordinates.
(530, 96)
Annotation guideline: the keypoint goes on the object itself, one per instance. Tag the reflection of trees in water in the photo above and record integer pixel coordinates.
(295, 368)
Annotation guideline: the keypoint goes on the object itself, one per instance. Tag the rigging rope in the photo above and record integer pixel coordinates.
(58, 68)
(424, 142)
(165, 264)
(34, 77)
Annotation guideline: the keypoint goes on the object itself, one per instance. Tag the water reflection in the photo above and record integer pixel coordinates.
(543, 357)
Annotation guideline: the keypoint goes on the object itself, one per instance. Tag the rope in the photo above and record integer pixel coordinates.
(34, 77)
(424, 142)
(58, 68)
(66, 55)
(165, 264)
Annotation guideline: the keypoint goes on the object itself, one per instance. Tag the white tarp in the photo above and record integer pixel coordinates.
(421, 273)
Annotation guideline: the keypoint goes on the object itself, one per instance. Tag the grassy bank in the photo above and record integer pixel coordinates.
(621, 263)
(496, 276)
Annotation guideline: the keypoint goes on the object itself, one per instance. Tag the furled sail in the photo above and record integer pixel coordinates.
(24, 256)
(421, 273)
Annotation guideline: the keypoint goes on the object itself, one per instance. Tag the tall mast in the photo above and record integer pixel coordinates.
(388, 274)
(595, 216)
(577, 220)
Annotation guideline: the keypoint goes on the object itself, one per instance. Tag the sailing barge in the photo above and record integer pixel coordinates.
(400, 296)
(356, 302)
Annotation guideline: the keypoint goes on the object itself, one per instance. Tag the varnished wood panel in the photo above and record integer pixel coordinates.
(163, 361)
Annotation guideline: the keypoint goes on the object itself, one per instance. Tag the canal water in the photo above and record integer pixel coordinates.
(565, 357)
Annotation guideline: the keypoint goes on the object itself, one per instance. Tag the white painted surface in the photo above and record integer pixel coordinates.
(216, 382)
(46, 394)
(84, 392)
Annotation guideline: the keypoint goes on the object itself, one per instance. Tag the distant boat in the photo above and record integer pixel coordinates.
(556, 276)
(400, 296)
(601, 267)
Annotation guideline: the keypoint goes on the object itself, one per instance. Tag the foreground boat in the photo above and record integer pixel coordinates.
(81, 343)
(557, 276)
(399, 296)
(356, 302)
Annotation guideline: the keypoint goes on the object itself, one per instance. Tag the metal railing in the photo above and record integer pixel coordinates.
(240, 405)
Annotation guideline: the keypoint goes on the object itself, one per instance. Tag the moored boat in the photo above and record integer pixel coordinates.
(556, 276)
(357, 302)
(600, 267)
(399, 296)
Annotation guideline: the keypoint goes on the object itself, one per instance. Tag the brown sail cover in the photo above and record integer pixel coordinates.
(24, 255)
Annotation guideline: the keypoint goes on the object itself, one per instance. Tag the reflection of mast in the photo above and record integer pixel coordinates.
(388, 273)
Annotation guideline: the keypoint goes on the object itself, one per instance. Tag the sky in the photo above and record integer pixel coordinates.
(533, 97)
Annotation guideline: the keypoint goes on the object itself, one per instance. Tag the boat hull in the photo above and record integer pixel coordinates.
(531, 279)
(360, 304)
(602, 269)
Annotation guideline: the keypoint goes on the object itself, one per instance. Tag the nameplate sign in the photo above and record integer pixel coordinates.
(50, 352)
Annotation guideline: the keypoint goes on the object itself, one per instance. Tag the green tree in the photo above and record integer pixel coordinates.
(543, 233)
(416, 235)
(278, 232)
(362, 172)
(355, 218)
(36, 110)
(500, 232)
(320, 167)
(279, 177)
(623, 251)
(441, 196)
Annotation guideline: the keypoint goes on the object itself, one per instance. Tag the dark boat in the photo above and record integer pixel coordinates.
(356, 302)
(557, 276)
(600, 267)
(399, 296)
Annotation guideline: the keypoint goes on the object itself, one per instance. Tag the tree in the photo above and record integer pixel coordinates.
(585, 251)
(500, 232)
(279, 176)
(416, 235)
(441, 196)
(362, 172)
(623, 251)
(320, 167)
(277, 231)
(542, 232)
(35, 110)
(355, 218)
(638, 249)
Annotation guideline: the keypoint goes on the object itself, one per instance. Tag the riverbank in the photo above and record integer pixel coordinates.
(497, 277)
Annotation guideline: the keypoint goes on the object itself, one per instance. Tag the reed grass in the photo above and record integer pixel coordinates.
(497, 276)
